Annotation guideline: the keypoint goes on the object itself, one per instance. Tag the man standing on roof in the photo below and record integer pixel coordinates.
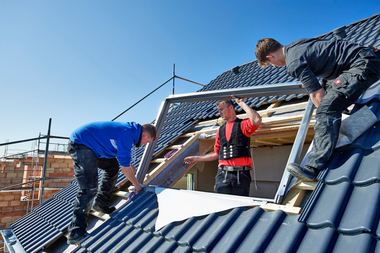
(232, 144)
(107, 146)
(346, 70)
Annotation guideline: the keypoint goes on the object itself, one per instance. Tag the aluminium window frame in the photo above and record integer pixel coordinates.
(256, 91)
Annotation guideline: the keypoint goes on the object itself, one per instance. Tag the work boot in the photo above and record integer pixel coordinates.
(304, 173)
(76, 235)
(103, 209)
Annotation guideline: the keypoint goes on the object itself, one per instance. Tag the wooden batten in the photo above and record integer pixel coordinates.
(99, 215)
(165, 162)
(270, 207)
(272, 106)
(297, 193)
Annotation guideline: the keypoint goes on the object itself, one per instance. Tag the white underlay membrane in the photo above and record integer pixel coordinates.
(177, 205)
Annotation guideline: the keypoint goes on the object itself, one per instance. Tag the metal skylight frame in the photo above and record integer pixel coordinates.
(257, 91)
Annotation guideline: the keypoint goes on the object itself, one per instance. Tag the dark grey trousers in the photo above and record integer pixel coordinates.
(86, 165)
(353, 82)
(233, 182)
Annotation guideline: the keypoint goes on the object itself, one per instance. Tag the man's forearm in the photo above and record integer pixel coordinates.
(252, 114)
(203, 158)
(128, 172)
(209, 157)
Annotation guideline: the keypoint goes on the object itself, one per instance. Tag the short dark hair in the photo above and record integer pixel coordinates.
(227, 102)
(265, 47)
(150, 129)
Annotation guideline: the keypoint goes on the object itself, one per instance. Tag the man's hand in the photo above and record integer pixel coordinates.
(130, 172)
(191, 160)
(237, 100)
(252, 114)
(317, 96)
(138, 188)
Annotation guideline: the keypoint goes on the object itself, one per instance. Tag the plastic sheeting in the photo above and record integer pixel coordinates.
(177, 205)
(355, 125)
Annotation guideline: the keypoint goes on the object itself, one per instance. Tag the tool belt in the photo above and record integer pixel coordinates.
(234, 168)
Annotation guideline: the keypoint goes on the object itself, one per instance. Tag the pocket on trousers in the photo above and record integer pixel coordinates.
(341, 81)
(219, 175)
(343, 86)
(245, 176)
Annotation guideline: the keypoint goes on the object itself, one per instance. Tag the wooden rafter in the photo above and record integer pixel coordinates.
(297, 193)
(165, 162)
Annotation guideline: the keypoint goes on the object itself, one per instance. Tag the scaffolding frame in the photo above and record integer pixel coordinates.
(34, 165)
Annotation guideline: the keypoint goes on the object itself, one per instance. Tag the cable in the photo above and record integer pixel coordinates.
(143, 98)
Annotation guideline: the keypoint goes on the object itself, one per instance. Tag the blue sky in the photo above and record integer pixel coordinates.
(83, 61)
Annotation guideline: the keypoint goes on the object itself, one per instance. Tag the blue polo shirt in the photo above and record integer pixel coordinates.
(109, 139)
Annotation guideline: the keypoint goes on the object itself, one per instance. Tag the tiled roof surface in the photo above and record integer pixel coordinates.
(347, 196)
(218, 232)
(51, 217)
(341, 215)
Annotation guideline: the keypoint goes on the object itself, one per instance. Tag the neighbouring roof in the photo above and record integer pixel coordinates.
(341, 214)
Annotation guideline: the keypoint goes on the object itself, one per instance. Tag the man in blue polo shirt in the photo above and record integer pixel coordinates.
(107, 146)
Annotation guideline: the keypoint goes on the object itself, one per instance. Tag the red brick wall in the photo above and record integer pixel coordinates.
(11, 205)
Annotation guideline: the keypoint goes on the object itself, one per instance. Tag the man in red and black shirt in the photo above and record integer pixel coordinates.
(232, 148)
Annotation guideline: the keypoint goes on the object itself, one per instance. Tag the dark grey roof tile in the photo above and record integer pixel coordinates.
(368, 170)
(317, 241)
(342, 169)
(359, 243)
(364, 217)
(327, 210)
(286, 237)
(264, 229)
(216, 231)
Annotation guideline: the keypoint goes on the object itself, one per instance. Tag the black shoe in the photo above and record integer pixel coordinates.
(304, 173)
(103, 209)
(76, 236)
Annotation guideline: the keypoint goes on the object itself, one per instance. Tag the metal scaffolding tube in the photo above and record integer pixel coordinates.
(39, 179)
(45, 163)
(184, 79)
(35, 172)
(26, 140)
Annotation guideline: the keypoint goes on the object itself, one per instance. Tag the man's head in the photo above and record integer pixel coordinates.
(226, 109)
(270, 52)
(148, 134)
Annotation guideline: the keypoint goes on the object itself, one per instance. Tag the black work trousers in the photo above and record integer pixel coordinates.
(340, 94)
(86, 165)
(233, 182)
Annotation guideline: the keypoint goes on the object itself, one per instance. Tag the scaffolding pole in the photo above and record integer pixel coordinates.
(45, 163)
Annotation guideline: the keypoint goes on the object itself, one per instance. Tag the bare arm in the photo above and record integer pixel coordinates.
(130, 172)
(317, 96)
(252, 114)
(203, 158)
